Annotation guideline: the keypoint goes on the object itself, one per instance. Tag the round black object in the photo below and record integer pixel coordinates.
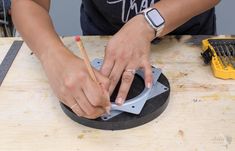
(136, 88)
(152, 109)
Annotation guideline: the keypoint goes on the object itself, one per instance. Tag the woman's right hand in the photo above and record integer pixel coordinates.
(71, 82)
(67, 73)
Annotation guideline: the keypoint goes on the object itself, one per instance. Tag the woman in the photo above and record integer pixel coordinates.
(135, 24)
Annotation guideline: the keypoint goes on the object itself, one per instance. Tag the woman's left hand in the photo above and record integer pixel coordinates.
(127, 51)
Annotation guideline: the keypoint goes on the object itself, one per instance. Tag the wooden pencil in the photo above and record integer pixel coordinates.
(86, 58)
(89, 68)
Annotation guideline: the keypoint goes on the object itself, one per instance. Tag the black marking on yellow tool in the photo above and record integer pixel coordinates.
(9, 58)
(220, 53)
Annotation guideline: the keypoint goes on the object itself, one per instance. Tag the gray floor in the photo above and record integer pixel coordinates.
(65, 15)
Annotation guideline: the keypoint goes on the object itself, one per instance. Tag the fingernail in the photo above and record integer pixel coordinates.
(149, 85)
(119, 101)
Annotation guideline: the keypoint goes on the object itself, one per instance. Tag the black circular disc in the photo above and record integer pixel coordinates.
(136, 88)
(152, 109)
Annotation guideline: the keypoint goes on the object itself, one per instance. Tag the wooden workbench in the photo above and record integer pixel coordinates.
(199, 117)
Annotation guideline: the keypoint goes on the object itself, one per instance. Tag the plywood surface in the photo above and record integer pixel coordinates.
(200, 115)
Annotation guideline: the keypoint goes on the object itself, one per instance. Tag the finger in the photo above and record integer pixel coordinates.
(90, 110)
(115, 76)
(104, 83)
(78, 110)
(148, 74)
(72, 103)
(102, 80)
(127, 79)
(83, 102)
(107, 65)
(95, 94)
(95, 116)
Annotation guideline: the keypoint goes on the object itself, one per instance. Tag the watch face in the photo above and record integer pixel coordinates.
(155, 17)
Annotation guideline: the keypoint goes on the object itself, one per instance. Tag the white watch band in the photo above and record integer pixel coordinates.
(157, 29)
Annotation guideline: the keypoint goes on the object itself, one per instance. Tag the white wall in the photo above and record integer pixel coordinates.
(225, 12)
(66, 16)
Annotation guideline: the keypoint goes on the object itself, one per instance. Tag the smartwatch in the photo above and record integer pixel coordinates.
(154, 19)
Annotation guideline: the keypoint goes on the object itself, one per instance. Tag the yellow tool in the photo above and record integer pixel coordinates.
(220, 52)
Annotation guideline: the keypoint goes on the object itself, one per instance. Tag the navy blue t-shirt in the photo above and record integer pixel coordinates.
(106, 17)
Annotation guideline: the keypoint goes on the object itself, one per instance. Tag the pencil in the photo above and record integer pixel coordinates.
(86, 59)
(89, 68)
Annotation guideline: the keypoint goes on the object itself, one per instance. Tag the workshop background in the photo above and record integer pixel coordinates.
(66, 17)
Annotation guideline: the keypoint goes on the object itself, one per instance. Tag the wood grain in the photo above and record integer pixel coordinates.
(200, 115)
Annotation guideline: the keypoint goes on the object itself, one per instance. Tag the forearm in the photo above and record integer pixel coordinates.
(33, 22)
(178, 12)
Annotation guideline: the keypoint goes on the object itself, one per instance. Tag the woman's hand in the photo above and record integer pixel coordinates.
(126, 52)
(71, 82)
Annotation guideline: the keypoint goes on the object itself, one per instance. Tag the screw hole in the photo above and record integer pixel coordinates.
(98, 62)
(165, 88)
(133, 106)
(105, 118)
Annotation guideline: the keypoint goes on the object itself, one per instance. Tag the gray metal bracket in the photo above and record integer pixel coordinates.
(134, 105)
